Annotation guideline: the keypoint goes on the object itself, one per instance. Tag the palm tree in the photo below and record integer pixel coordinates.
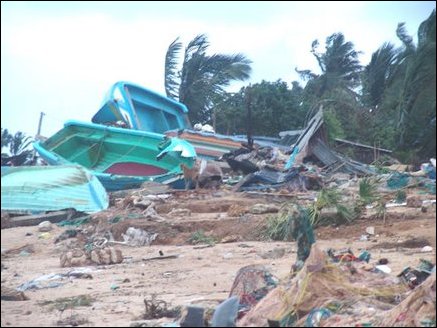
(339, 65)
(201, 81)
(19, 143)
(18, 152)
(377, 75)
(6, 138)
(417, 98)
(335, 87)
(400, 84)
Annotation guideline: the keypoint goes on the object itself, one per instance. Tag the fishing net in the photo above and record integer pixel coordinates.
(251, 284)
(324, 285)
(398, 180)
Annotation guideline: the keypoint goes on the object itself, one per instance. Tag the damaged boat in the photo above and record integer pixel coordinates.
(133, 107)
(119, 158)
(49, 188)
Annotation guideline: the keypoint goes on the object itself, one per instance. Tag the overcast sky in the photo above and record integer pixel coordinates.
(62, 57)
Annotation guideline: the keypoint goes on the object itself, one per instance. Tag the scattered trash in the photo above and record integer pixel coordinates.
(251, 284)
(316, 316)
(418, 306)
(398, 180)
(344, 255)
(203, 127)
(150, 212)
(44, 235)
(414, 277)
(156, 308)
(114, 287)
(52, 280)
(426, 249)
(321, 284)
(364, 256)
(138, 237)
(45, 226)
(388, 205)
(175, 256)
(210, 175)
(75, 222)
(370, 230)
(383, 261)
(383, 268)
(269, 178)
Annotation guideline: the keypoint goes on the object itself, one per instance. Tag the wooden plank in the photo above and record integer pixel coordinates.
(32, 220)
(161, 257)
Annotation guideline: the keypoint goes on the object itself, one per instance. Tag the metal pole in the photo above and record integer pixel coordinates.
(40, 123)
(249, 116)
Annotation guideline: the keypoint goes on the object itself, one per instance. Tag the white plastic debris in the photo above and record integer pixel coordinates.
(228, 255)
(138, 237)
(383, 268)
(45, 226)
(370, 230)
(426, 249)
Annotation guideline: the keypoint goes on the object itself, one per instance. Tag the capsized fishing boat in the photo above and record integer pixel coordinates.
(119, 158)
(138, 108)
(49, 188)
(131, 106)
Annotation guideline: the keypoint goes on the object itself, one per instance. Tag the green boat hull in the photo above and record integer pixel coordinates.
(119, 158)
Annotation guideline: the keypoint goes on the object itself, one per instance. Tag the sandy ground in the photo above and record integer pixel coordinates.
(200, 277)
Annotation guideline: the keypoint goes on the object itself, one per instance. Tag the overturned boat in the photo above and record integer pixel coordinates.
(49, 188)
(133, 107)
(119, 158)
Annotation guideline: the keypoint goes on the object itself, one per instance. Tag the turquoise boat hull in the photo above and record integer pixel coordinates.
(141, 109)
(119, 158)
(37, 189)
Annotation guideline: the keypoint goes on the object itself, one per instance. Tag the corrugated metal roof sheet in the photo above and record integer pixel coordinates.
(49, 188)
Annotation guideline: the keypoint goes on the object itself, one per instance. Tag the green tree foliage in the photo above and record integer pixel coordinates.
(378, 74)
(335, 87)
(202, 79)
(18, 144)
(274, 107)
(6, 138)
(339, 65)
(399, 88)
